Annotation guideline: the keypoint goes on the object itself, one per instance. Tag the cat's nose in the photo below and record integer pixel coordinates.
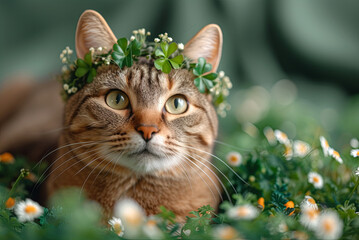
(147, 131)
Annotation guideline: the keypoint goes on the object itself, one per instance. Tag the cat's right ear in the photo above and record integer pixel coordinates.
(92, 31)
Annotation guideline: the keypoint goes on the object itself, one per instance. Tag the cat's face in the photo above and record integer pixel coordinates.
(143, 119)
(139, 117)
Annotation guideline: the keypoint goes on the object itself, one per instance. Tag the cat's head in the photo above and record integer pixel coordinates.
(140, 117)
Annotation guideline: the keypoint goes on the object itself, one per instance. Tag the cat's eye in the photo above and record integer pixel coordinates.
(117, 99)
(176, 104)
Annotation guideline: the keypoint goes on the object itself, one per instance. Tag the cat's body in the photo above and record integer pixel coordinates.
(142, 151)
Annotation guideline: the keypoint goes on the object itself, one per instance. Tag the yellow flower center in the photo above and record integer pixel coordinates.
(30, 209)
(328, 225)
(311, 200)
(302, 148)
(326, 144)
(151, 223)
(336, 154)
(10, 202)
(283, 135)
(242, 211)
(117, 228)
(312, 213)
(357, 153)
(233, 158)
(315, 179)
(228, 233)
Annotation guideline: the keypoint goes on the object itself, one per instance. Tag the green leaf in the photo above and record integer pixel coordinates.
(122, 43)
(171, 49)
(208, 83)
(135, 47)
(210, 76)
(198, 70)
(178, 59)
(207, 67)
(118, 50)
(164, 47)
(81, 63)
(174, 64)
(80, 72)
(88, 59)
(159, 63)
(159, 53)
(166, 67)
(91, 75)
(199, 84)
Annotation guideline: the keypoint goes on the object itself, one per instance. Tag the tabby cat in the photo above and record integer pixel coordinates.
(139, 133)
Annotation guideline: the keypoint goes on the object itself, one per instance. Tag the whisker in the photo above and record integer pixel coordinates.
(239, 177)
(234, 147)
(223, 186)
(215, 185)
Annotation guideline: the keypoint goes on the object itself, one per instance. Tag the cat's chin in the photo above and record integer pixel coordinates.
(144, 162)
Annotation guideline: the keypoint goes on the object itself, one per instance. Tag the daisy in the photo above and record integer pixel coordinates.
(269, 134)
(330, 226)
(288, 151)
(281, 137)
(315, 179)
(357, 172)
(245, 211)
(28, 210)
(308, 201)
(325, 145)
(10, 203)
(234, 159)
(354, 152)
(117, 226)
(309, 217)
(301, 149)
(131, 214)
(225, 232)
(7, 158)
(334, 154)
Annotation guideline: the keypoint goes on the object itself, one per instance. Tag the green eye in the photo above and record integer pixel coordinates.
(176, 104)
(117, 99)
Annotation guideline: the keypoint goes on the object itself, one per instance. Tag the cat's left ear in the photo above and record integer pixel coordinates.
(207, 43)
(93, 31)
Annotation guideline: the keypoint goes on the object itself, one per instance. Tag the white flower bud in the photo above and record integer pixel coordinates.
(99, 49)
(170, 39)
(66, 87)
(74, 89)
(142, 31)
(62, 56)
(70, 52)
(64, 60)
(67, 48)
(180, 46)
(92, 49)
(69, 91)
(148, 33)
(157, 40)
(134, 31)
(64, 69)
(132, 38)
(221, 74)
(161, 35)
(64, 51)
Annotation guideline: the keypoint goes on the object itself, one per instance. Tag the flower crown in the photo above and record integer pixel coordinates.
(165, 53)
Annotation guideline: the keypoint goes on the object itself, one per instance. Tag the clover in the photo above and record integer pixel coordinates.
(164, 62)
(203, 81)
(85, 67)
(123, 53)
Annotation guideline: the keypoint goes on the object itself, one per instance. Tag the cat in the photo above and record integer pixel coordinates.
(145, 150)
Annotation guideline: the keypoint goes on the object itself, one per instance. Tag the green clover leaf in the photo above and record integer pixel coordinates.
(85, 67)
(164, 62)
(204, 82)
(123, 53)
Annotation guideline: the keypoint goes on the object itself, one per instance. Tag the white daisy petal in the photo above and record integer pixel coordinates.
(325, 145)
(246, 212)
(354, 152)
(281, 137)
(329, 226)
(316, 179)
(28, 210)
(117, 226)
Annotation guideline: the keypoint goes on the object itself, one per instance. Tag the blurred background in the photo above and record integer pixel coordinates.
(294, 64)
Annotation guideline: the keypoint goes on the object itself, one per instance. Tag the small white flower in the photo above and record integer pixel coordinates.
(354, 143)
(132, 38)
(142, 31)
(246, 212)
(66, 87)
(28, 210)
(269, 134)
(117, 226)
(354, 152)
(74, 89)
(64, 51)
(308, 201)
(62, 56)
(64, 60)
(67, 48)
(170, 39)
(309, 217)
(234, 159)
(69, 51)
(329, 226)
(180, 46)
(99, 49)
(69, 91)
(334, 154)
(157, 40)
(301, 149)
(131, 214)
(135, 32)
(225, 232)
(288, 151)
(64, 69)
(316, 179)
(148, 33)
(281, 137)
(221, 74)
(325, 145)
(91, 49)
(357, 172)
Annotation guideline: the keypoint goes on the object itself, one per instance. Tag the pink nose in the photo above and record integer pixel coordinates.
(147, 131)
